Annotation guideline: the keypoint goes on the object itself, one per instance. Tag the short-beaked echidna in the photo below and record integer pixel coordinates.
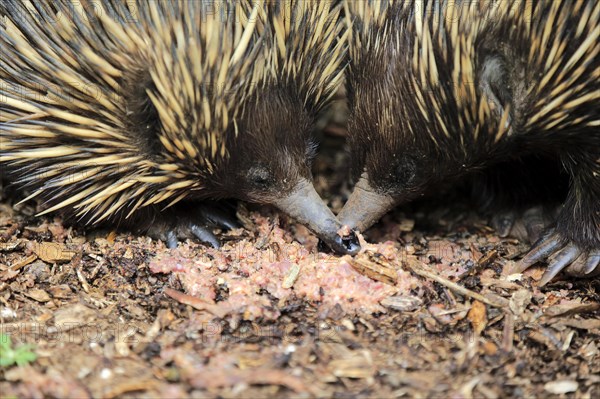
(137, 112)
(439, 89)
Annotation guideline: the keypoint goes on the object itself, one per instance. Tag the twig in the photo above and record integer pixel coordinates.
(416, 267)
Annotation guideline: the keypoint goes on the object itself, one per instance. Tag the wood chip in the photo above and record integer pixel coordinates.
(62, 291)
(543, 336)
(358, 365)
(402, 303)
(291, 277)
(483, 263)
(10, 246)
(213, 379)
(508, 332)
(73, 316)
(582, 324)
(558, 387)
(376, 268)
(23, 262)
(486, 260)
(38, 295)
(406, 225)
(519, 301)
(123, 388)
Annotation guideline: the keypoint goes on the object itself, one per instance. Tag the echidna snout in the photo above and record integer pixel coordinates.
(365, 206)
(305, 205)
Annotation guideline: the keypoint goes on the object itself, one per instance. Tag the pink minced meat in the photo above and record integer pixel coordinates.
(246, 274)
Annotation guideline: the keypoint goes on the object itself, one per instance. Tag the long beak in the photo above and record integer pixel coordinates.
(365, 206)
(307, 207)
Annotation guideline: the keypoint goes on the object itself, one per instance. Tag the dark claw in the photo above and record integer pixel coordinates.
(578, 266)
(171, 239)
(592, 263)
(562, 255)
(503, 223)
(561, 260)
(193, 221)
(220, 218)
(205, 235)
(543, 248)
(534, 223)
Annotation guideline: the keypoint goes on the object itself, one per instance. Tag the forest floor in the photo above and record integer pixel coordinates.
(428, 309)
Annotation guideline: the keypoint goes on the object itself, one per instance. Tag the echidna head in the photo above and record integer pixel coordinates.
(429, 96)
(394, 152)
(271, 151)
(388, 173)
(270, 163)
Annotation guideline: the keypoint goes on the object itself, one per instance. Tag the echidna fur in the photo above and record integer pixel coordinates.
(442, 89)
(124, 112)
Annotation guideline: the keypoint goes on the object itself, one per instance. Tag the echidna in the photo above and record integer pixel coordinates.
(137, 112)
(439, 89)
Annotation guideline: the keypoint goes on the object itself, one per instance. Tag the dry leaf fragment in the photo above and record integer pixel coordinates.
(478, 316)
(110, 238)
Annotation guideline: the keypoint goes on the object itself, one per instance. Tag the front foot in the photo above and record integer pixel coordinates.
(201, 233)
(525, 225)
(194, 222)
(561, 254)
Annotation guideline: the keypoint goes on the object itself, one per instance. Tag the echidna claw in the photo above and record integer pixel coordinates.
(528, 225)
(592, 263)
(171, 239)
(585, 264)
(562, 259)
(219, 218)
(542, 249)
(205, 235)
(562, 255)
(535, 222)
(503, 223)
(193, 221)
